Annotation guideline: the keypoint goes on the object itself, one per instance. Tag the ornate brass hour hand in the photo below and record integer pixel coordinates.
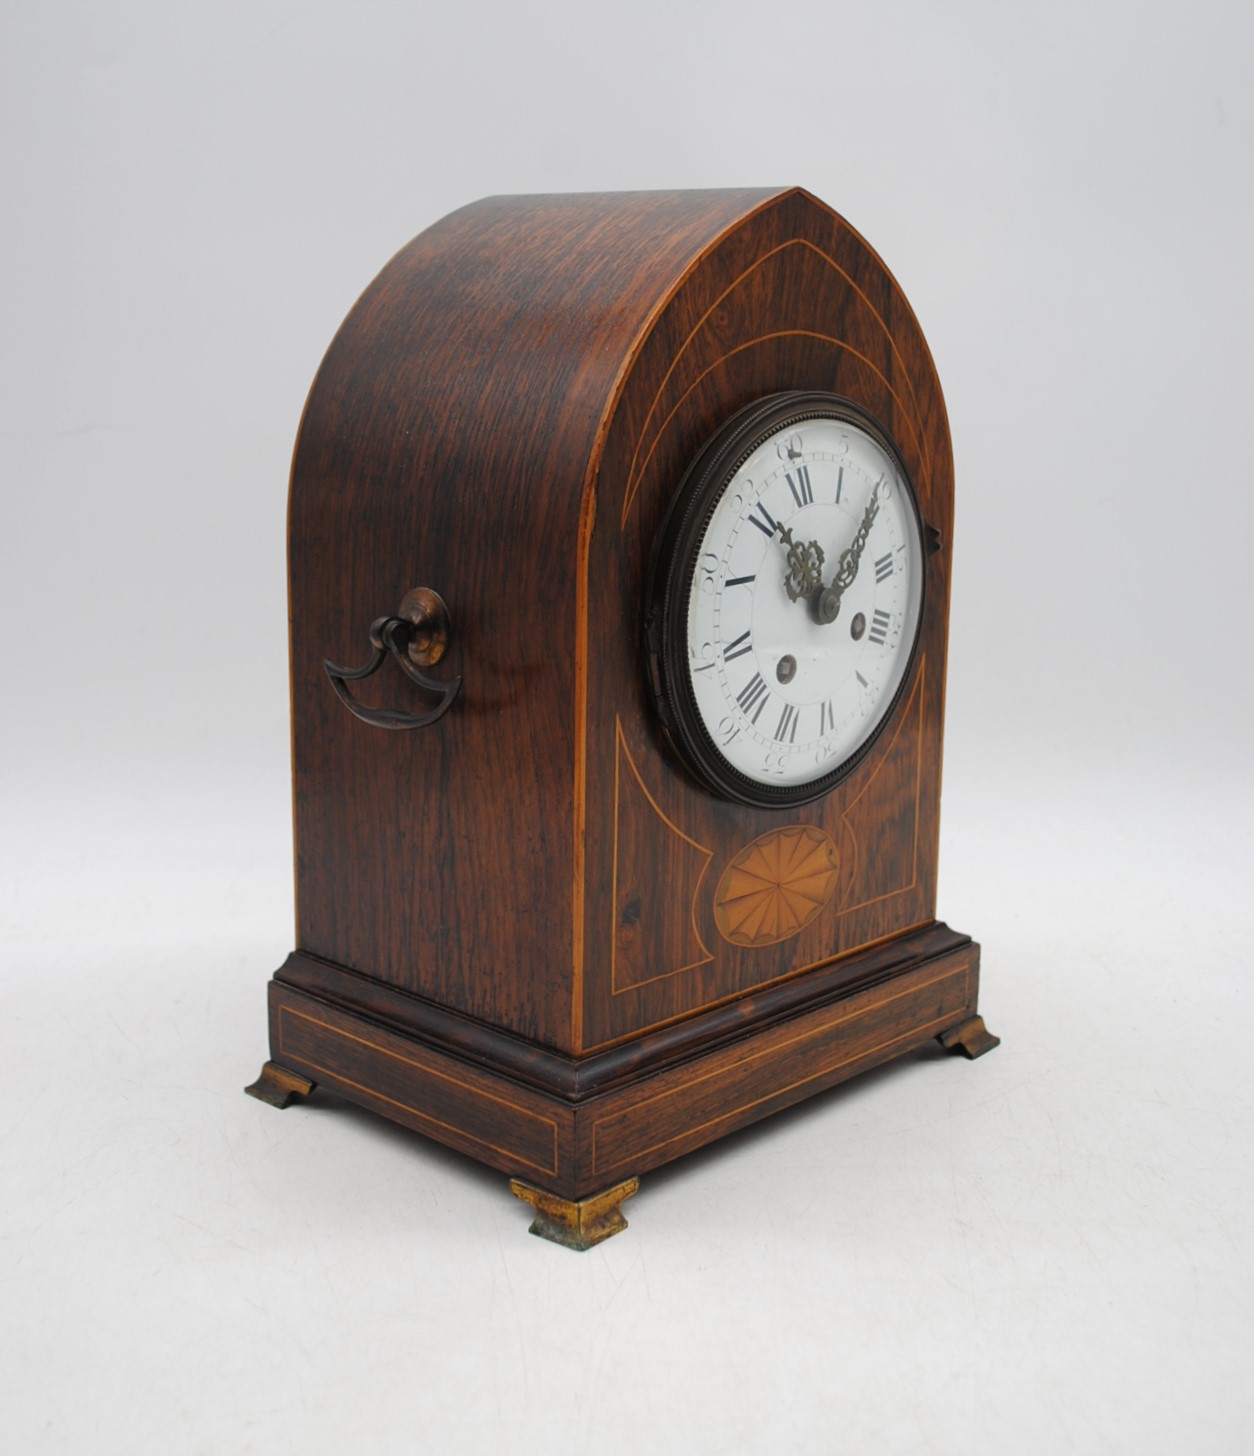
(827, 602)
(805, 567)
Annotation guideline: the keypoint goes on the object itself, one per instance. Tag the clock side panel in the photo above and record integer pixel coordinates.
(446, 444)
(692, 900)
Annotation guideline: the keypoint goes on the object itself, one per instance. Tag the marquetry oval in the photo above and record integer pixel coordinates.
(776, 886)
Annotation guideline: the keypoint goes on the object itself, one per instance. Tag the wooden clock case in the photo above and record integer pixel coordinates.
(522, 929)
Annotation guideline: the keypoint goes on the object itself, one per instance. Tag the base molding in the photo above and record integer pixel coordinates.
(571, 1134)
(577, 1076)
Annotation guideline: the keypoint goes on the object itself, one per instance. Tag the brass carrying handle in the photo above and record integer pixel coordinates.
(416, 637)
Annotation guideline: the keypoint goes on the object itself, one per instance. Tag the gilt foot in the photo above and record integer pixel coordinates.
(279, 1087)
(576, 1224)
(971, 1037)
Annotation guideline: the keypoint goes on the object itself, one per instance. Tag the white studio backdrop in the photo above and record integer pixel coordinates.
(1048, 1250)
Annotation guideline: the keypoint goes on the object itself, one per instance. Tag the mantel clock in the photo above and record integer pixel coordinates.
(619, 551)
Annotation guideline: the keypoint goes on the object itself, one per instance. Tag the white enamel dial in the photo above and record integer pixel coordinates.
(804, 602)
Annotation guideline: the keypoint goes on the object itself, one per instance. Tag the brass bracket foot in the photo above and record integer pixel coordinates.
(970, 1037)
(576, 1225)
(279, 1087)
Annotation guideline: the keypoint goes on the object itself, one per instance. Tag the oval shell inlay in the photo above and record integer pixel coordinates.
(776, 886)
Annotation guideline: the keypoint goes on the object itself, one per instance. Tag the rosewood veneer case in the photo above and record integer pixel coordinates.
(521, 921)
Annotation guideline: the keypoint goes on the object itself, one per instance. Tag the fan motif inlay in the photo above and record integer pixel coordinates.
(776, 886)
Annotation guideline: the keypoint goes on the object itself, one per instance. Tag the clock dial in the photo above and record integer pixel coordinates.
(792, 587)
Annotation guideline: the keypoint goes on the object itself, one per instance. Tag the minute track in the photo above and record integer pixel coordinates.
(796, 716)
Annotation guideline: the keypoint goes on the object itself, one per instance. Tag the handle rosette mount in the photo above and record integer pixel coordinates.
(416, 637)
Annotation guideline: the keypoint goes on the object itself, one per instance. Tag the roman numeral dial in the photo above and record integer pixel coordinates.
(796, 596)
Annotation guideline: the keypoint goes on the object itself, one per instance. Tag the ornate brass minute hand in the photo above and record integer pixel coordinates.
(827, 603)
